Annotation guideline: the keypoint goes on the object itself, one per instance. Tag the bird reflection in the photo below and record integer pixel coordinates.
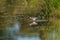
(13, 30)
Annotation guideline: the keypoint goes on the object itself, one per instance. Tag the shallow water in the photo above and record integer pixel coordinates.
(13, 33)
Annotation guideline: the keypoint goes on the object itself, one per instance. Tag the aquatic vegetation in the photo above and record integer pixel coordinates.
(12, 11)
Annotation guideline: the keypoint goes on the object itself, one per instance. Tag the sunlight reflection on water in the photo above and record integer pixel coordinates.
(28, 38)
